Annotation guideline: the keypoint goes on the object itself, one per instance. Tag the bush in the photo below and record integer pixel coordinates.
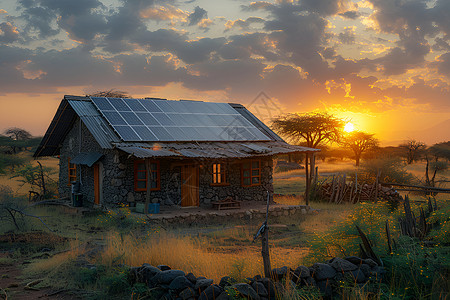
(391, 170)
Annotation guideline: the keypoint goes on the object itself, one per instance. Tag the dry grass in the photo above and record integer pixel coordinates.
(22, 189)
(49, 265)
(194, 255)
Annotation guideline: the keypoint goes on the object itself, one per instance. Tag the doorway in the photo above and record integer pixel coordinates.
(189, 185)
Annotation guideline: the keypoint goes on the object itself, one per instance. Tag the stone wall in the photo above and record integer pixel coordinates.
(117, 172)
(326, 277)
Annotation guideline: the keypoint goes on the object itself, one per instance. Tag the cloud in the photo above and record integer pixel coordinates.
(242, 24)
(162, 13)
(197, 16)
(8, 33)
(347, 36)
(351, 14)
(443, 64)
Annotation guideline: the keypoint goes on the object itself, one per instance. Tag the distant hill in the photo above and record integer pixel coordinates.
(435, 134)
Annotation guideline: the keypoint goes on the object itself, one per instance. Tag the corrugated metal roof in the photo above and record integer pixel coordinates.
(86, 158)
(95, 123)
(141, 152)
(211, 150)
(59, 127)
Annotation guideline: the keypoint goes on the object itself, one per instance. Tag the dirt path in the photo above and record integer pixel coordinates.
(12, 286)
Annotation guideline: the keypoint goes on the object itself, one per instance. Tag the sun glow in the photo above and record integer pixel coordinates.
(349, 127)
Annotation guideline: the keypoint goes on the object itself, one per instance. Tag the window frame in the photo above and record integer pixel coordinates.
(136, 171)
(223, 172)
(71, 167)
(250, 162)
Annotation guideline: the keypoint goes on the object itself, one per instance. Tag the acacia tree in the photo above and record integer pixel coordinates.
(312, 130)
(434, 165)
(359, 142)
(412, 150)
(110, 93)
(17, 138)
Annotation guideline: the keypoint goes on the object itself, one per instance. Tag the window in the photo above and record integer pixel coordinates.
(140, 176)
(219, 174)
(251, 173)
(72, 171)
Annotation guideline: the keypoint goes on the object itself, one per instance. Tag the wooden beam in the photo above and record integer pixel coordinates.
(149, 185)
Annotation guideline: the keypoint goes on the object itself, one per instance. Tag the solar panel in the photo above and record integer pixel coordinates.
(119, 104)
(102, 103)
(131, 118)
(149, 105)
(162, 120)
(114, 118)
(127, 133)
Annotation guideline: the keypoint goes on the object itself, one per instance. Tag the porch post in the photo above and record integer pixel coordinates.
(307, 178)
(149, 184)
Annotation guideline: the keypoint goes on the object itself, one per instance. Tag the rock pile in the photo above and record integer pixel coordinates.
(175, 284)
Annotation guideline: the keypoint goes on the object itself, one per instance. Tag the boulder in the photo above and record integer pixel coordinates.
(180, 283)
(202, 284)
(325, 287)
(302, 272)
(342, 265)
(146, 273)
(354, 260)
(260, 289)
(187, 293)
(166, 277)
(370, 262)
(246, 291)
(164, 267)
(323, 271)
(280, 273)
(191, 278)
(365, 269)
(270, 287)
(211, 292)
(226, 281)
(225, 296)
(358, 276)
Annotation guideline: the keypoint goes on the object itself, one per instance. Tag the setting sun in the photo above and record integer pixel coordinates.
(349, 127)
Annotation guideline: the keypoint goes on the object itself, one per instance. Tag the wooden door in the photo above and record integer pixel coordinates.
(96, 184)
(189, 185)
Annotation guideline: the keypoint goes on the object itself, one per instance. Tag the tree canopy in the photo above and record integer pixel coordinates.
(412, 150)
(359, 142)
(110, 93)
(314, 129)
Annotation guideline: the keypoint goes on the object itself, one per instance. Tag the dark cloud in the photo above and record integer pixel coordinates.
(172, 41)
(40, 19)
(324, 7)
(243, 24)
(8, 33)
(412, 21)
(443, 65)
(244, 45)
(197, 16)
(299, 37)
(347, 36)
(441, 45)
(351, 14)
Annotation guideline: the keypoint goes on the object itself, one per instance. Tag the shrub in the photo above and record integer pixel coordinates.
(391, 170)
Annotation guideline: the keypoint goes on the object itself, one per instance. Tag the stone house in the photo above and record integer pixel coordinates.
(184, 152)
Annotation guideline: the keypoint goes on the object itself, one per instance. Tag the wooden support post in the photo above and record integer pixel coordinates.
(307, 178)
(265, 253)
(149, 185)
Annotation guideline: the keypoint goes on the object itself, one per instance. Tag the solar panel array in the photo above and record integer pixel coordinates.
(147, 120)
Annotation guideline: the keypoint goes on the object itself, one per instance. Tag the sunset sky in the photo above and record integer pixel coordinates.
(383, 64)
